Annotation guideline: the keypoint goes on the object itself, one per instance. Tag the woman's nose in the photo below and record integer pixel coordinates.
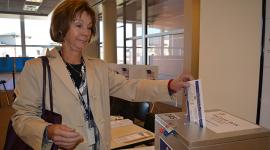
(86, 32)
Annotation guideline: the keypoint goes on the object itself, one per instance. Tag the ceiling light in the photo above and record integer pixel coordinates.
(35, 1)
(30, 7)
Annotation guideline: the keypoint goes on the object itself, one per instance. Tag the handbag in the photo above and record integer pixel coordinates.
(13, 141)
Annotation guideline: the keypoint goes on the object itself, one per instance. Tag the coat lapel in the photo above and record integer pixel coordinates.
(90, 76)
(58, 68)
(91, 79)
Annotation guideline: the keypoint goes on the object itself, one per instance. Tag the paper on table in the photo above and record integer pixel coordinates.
(116, 118)
(143, 148)
(120, 123)
(220, 122)
(133, 137)
(169, 116)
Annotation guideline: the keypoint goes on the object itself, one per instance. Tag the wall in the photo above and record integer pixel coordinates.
(265, 101)
(92, 49)
(191, 39)
(191, 36)
(109, 31)
(229, 59)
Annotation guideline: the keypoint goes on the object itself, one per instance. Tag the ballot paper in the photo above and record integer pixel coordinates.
(195, 105)
(121, 123)
(221, 122)
(133, 137)
(169, 116)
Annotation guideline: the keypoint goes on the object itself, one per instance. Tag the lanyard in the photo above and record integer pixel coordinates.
(88, 113)
(88, 116)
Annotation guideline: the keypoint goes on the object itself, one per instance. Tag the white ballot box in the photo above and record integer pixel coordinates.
(223, 131)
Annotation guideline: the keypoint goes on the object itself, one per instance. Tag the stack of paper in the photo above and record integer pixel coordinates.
(116, 118)
(133, 137)
(120, 123)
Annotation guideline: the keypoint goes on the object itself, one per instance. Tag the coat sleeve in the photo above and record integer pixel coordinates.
(26, 121)
(137, 89)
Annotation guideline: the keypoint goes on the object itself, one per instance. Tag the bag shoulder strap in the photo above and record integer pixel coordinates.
(46, 66)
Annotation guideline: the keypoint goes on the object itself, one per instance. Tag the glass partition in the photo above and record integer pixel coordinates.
(165, 15)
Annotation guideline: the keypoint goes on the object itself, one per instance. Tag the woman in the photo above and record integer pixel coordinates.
(81, 87)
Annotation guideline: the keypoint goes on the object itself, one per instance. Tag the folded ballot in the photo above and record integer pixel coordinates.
(195, 105)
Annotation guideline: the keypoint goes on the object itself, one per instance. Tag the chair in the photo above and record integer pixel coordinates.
(3, 82)
(135, 111)
(141, 110)
(122, 108)
(138, 112)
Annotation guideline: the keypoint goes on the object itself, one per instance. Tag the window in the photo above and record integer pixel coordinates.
(10, 35)
(128, 27)
(168, 45)
(101, 49)
(165, 16)
(37, 41)
(133, 18)
(120, 42)
(161, 34)
(165, 33)
(36, 36)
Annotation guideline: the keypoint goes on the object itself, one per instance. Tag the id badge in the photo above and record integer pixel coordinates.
(91, 136)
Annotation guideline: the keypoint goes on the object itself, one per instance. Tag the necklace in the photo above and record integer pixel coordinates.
(74, 69)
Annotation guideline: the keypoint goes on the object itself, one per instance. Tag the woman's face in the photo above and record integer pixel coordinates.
(79, 33)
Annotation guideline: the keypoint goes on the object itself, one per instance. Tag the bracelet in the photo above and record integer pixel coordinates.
(45, 136)
(171, 91)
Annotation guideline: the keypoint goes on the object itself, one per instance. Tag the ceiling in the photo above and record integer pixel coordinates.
(16, 7)
(158, 10)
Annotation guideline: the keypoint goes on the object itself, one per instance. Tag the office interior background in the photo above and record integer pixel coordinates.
(224, 43)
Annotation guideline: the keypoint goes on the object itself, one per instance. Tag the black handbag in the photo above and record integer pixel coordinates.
(13, 142)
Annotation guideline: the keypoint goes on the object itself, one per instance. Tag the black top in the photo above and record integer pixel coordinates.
(75, 73)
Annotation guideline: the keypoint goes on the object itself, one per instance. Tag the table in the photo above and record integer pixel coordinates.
(129, 136)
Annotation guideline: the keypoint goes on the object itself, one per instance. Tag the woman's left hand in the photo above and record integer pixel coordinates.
(180, 82)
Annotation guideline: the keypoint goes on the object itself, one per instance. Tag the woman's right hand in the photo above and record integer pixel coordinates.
(64, 136)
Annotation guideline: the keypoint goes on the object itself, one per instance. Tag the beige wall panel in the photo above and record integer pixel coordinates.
(230, 36)
(92, 49)
(109, 31)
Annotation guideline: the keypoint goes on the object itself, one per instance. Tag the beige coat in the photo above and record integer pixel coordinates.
(102, 83)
